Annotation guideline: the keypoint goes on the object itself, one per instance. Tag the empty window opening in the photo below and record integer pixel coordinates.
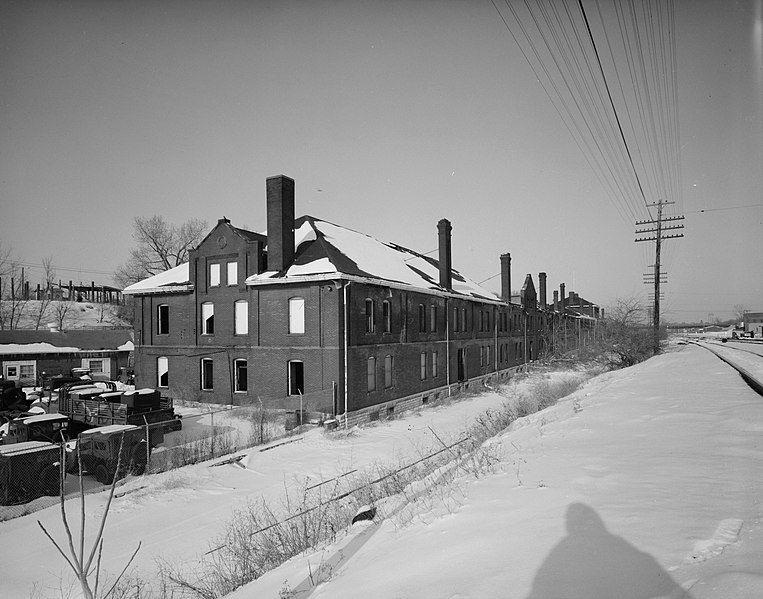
(207, 318)
(296, 377)
(370, 321)
(163, 319)
(162, 372)
(240, 372)
(422, 319)
(207, 374)
(433, 318)
(387, 316)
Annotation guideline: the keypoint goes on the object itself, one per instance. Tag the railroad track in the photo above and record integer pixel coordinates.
(758, 344)
(755, 381)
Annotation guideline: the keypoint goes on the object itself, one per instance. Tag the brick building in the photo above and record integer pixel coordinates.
(330, 316)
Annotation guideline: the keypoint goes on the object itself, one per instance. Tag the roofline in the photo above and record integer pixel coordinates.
(372, 281)
(187, 288)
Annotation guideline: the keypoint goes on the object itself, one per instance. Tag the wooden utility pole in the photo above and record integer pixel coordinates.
(659, 236)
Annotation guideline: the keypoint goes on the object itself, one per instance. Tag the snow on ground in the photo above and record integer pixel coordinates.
(643, 483)
(650, 487)
(177, 514)
(747, 356)
(81, 315)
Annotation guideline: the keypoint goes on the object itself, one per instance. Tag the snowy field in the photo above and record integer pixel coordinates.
(652, 489)
(178, 514)
(644, 483)
(80, 315)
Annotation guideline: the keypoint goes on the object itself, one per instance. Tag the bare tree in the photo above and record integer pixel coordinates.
(624, 336)
(6, 260)
(43, 304)
(84, 562)
(160, 246)
(13, 301)
(61, 313)
(739, 313)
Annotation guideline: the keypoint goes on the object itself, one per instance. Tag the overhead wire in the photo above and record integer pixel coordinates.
(569, 121)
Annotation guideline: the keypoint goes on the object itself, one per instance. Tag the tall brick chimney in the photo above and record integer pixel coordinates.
(542, 290)
(506, 277)
(443, 232)
(562, 297)
(556, 301)
(280, 194)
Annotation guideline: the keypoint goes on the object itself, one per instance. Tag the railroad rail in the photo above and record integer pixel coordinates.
(755, 381)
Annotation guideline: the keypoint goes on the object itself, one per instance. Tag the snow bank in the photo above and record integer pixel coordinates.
(649, 488)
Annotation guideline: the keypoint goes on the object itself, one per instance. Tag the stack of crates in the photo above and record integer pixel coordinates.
(142, 400)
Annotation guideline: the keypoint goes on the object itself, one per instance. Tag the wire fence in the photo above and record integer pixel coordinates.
(198, 432)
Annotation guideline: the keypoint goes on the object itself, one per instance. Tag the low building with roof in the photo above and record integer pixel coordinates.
(28, 356)
(327, 316)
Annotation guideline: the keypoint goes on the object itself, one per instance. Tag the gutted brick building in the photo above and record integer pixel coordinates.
(326, 315)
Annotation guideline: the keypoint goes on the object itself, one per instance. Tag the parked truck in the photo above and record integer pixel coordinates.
(99, 449)
(100, 404)
(13, 401)
(29, 470)
(51, 428)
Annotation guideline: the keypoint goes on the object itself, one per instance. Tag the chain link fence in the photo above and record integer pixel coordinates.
(29, 479)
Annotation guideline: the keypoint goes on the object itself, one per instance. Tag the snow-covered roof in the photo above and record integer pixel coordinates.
(35, 348)
(106, 343)
(44, 418)
(174, 279)
(111, 428)
(325, 250)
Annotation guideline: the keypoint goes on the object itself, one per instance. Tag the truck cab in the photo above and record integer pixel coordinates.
(99, 450)
(51, 428)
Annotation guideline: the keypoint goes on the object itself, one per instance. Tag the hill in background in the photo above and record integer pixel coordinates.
(78, 315)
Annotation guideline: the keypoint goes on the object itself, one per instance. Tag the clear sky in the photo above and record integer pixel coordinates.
(388, 115)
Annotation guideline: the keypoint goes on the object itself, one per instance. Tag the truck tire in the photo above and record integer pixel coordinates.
(102, 474)
(50, 480)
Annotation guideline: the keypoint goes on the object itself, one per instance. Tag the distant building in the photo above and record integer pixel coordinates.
(29, 356)
(328, 316)
(753, 322)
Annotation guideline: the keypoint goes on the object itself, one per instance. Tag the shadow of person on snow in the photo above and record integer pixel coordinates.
(591, 563)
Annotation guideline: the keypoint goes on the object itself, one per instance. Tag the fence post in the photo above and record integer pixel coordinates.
(212, 419)
(148, 445)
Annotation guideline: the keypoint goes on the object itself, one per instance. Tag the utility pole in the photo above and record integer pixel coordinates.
(659, 236)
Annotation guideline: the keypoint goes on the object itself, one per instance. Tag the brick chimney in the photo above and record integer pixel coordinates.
(556, 301)
(443, 231)
(280, 195)
(562, 297)
(542, 290)
(506, 277)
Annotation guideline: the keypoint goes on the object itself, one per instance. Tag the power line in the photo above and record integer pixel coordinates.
(612, 103)
(39, 266)
(728, 208)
